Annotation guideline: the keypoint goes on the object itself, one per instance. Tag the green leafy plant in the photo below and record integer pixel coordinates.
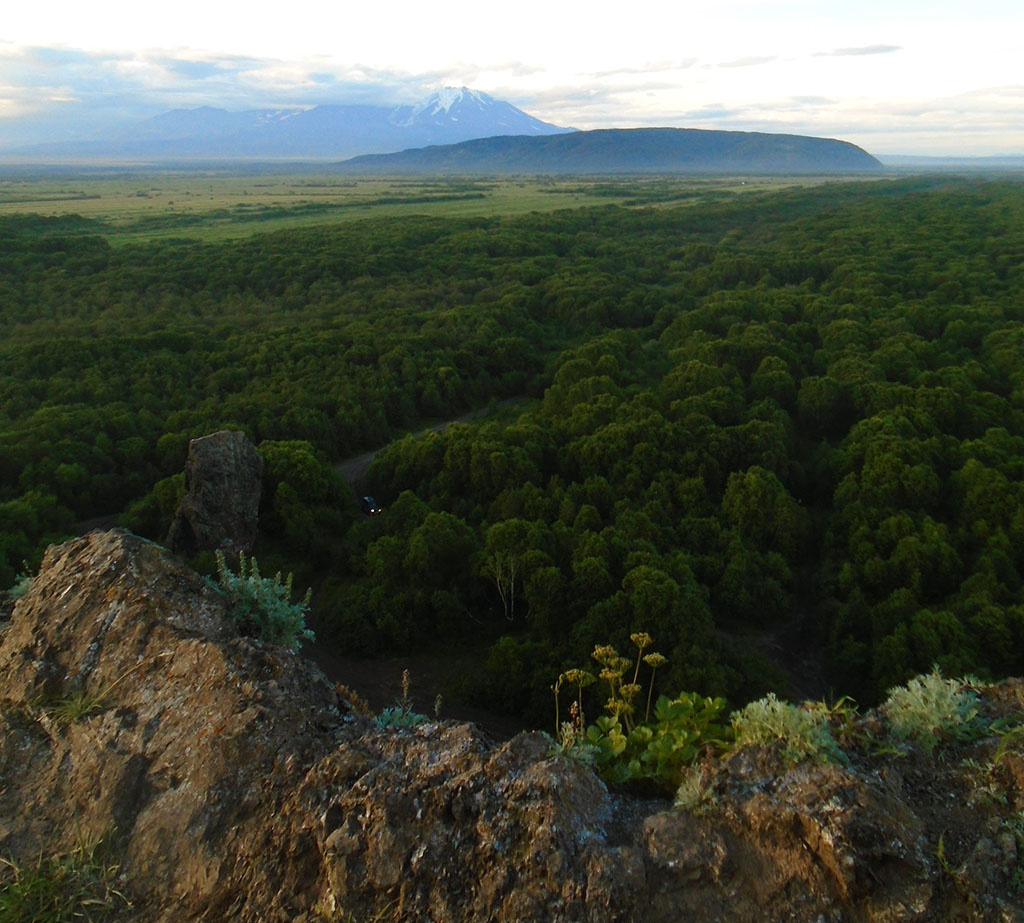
(622, 750)
(932, 711)
(401, 714)
(264, 604)
(803, 731)
(661, 750)
(77, 885)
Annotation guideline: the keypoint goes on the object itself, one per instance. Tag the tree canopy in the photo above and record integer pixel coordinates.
(797, 408)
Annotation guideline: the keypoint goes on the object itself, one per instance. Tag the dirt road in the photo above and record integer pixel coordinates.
(353, 470)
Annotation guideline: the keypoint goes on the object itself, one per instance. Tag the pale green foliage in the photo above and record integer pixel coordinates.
(803, 730)
(931, 710)
(265, 603)
(572, 745)
(22, 582)
(401, 715)
(394, 716)
(72, 886)
(695, 794)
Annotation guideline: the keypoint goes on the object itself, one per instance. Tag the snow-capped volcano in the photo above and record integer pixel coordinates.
(461, 111)
(444, 100)
(448, 116)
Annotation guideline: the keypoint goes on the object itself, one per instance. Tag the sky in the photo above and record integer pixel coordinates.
(896, 77)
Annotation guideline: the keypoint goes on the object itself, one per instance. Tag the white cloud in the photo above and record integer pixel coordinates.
(862, 50)
(829, 69)
(751, 61)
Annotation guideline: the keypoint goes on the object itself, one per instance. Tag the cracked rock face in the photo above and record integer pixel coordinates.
(233, 784)
(220, 509)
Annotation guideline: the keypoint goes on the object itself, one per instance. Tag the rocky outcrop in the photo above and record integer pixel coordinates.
(220, 509)
(234, 784)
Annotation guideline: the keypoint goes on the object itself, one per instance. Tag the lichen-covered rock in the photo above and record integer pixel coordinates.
(189, 731)
(220, 509)
(234, 785)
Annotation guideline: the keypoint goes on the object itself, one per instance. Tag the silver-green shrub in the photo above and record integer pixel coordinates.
(395, 716)
(401, 715)
(695, 794)
(802, 730)
(22, 583)
(264, 603)
(931, 710)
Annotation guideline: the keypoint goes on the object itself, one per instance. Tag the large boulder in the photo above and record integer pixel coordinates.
(220, 509)
(232, 783)
(235, 785)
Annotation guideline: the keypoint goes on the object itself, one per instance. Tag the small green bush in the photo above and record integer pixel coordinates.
(623, 750)
(264, 604)
(803, 730)
(932, 711)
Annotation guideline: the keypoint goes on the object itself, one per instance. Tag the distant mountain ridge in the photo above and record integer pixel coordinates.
(629, 150)
(448, 116)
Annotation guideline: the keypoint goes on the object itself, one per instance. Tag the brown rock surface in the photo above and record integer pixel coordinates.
(234, 785)
(220, 509)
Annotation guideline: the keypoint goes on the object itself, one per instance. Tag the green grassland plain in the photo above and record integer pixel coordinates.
(132, 205)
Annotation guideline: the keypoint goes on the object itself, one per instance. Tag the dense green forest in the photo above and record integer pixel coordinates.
(793, 413)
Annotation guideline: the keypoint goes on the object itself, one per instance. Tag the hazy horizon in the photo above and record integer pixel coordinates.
(899, 78)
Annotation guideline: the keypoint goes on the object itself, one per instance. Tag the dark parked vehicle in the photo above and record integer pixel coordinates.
(369, 506)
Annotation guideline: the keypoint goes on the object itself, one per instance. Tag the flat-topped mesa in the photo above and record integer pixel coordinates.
(629, 150)
(220, 510)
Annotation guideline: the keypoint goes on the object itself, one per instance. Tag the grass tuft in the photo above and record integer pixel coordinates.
(74, 707)
(72, 887)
